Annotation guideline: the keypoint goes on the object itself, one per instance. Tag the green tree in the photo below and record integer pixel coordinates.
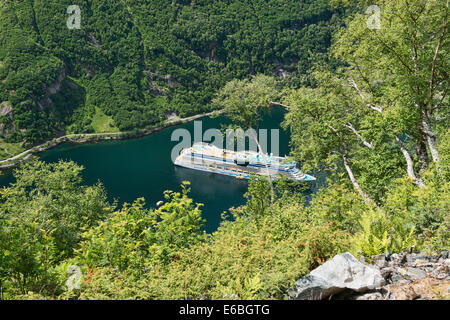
(141, 60)
(134, 237)
(44, 214)
(400, 73)
(389, 100)
(244, 101)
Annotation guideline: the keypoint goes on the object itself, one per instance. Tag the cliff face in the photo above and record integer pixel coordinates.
(6, 111)
(50, 90)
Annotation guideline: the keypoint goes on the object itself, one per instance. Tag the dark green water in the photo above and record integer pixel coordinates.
(131, 169)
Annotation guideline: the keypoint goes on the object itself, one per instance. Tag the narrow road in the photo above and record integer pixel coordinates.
(83, 136)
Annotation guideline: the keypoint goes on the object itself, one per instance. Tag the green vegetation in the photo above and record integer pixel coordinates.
(380, 116)
(244, 101)
(137, 61)
(139, 253)
(45, 209)
(376, 122)
(10, 149)
(103, 123)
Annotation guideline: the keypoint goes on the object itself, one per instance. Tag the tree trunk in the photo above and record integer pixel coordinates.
(355, 182)
(409, 164)
(431, 139)
(434, 152)
(421, 152)
(272, 193)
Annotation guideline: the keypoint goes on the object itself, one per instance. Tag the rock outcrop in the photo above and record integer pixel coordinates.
(389, 277)
(6, 110)
(343, 272)
(52, 89)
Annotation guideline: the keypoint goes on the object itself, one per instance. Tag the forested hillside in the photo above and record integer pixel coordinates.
(133, 62)
(376, 124)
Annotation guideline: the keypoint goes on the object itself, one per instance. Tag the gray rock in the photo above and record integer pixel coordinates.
(428, 269)
(370, 296)
(442, 277)
(441, 272)
(435, 257)
(396, 277)
(444, 254)
(380, 260)
(422, 256)
(386, 272)
(413, 258)
(397, 259)
(313, 288)
(343, 272)
(394, 256)
(412, 273)
(447, 263)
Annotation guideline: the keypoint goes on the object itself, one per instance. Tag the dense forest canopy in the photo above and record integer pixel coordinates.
(138, 61)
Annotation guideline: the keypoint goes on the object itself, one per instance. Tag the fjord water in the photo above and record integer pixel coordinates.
(131, 169)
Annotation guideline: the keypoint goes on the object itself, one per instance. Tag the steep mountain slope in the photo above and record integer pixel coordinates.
(134, 62)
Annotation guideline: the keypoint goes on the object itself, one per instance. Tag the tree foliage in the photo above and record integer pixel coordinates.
(43, 215)
(380, 115)
(140, 60)
(377, 125)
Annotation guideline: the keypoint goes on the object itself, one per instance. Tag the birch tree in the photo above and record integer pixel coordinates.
(243, 101)
(401, 72)
(381, 115)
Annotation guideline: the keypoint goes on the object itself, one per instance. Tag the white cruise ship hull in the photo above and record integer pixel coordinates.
(203, 157)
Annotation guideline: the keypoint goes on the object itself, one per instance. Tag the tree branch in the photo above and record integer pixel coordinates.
(273, 103)
(355, 182)
(363, 97)
(367, 144)
(409, 164)
(406, 155)
(436, 53)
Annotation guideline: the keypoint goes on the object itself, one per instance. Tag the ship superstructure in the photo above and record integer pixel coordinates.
(240, 164)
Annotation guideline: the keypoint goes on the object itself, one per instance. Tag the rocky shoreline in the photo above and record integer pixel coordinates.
(405, 276)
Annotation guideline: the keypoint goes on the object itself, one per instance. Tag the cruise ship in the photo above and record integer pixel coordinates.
(239, 164)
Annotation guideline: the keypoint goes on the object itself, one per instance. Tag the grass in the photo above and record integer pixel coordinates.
(103, 123)
(8, 150)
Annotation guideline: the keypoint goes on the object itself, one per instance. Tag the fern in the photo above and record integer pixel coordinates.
(380, 233)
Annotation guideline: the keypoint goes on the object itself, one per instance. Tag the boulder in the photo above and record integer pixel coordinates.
(397, 259)
(380, 260)
(370, 296)
(313, 288)
(412, 273)
(343, 272)
(395, 277)
(413, 259)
